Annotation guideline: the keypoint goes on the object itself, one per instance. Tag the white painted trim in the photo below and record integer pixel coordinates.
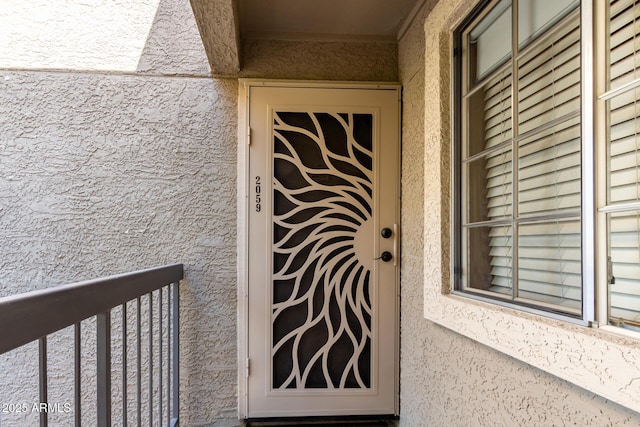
(242, 247)
(318, 84)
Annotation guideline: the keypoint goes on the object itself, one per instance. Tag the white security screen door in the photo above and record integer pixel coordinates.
(323, 251)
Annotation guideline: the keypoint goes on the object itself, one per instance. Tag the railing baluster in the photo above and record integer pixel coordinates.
(139, 360)
(176, 353)
(160, 366)
(124, 364)
(104, 368)
(151, 358)
(168, 355)
(42, 380)
(77, 390)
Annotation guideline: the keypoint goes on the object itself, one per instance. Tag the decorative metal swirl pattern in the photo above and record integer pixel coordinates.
(322, 202)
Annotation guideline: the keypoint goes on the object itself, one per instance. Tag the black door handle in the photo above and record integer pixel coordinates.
(386, 256)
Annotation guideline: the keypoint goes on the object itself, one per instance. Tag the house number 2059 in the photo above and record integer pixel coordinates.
(258, 191)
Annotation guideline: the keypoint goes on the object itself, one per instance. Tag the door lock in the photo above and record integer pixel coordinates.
(386, 256)
(386, 232)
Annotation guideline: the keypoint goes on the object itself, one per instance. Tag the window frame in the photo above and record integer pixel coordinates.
(602, 359)
(604, 207)
(460, 80)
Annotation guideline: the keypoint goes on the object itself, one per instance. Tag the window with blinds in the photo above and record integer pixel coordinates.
(623, 160)
(520, 158)
(526, 209)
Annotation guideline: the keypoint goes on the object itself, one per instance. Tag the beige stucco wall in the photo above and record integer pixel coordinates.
(448, 379)
(107, 169)
(320, 60)
(122, 155)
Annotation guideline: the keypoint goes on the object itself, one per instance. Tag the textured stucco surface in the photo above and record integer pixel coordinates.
(109, 167)
(105, 173)
(219, 28)
(118, 35)
(317, 60)
(108, 172)
(173, 44)
(448, 379)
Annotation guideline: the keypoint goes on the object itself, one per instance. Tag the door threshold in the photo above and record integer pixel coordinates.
(323, 421)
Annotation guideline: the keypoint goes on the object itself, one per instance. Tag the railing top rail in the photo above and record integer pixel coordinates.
(29, 316)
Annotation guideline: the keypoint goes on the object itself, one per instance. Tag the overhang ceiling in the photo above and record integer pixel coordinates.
(323, 19)
(224, 23)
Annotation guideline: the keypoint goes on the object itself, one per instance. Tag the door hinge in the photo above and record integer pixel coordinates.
(248, 135)
(248, 367)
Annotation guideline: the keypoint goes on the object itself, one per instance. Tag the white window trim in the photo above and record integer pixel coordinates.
(603, 360)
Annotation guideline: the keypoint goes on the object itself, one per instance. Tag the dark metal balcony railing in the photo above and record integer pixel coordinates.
(34, 315)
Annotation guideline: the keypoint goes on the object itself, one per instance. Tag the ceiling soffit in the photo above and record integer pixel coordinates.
(224, 23)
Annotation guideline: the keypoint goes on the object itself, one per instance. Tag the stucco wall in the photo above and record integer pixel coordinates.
(320, 60)
(447, 379)
(106, 170)
(119, 153)
(109, 170)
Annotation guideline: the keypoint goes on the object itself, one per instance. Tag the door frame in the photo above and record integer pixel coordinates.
(243, 192)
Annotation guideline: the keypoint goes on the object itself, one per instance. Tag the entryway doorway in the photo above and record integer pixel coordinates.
(321, 202)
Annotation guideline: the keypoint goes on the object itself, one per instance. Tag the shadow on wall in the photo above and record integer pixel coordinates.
(171, 46)
(113, 163)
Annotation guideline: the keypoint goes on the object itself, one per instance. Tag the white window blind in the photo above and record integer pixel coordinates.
(521, 234)
(624, 148)
(624, 160)
(545, 215)
(624, 248)
(624, 43)
(549, 171)
(501, 253)
(549, 78)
